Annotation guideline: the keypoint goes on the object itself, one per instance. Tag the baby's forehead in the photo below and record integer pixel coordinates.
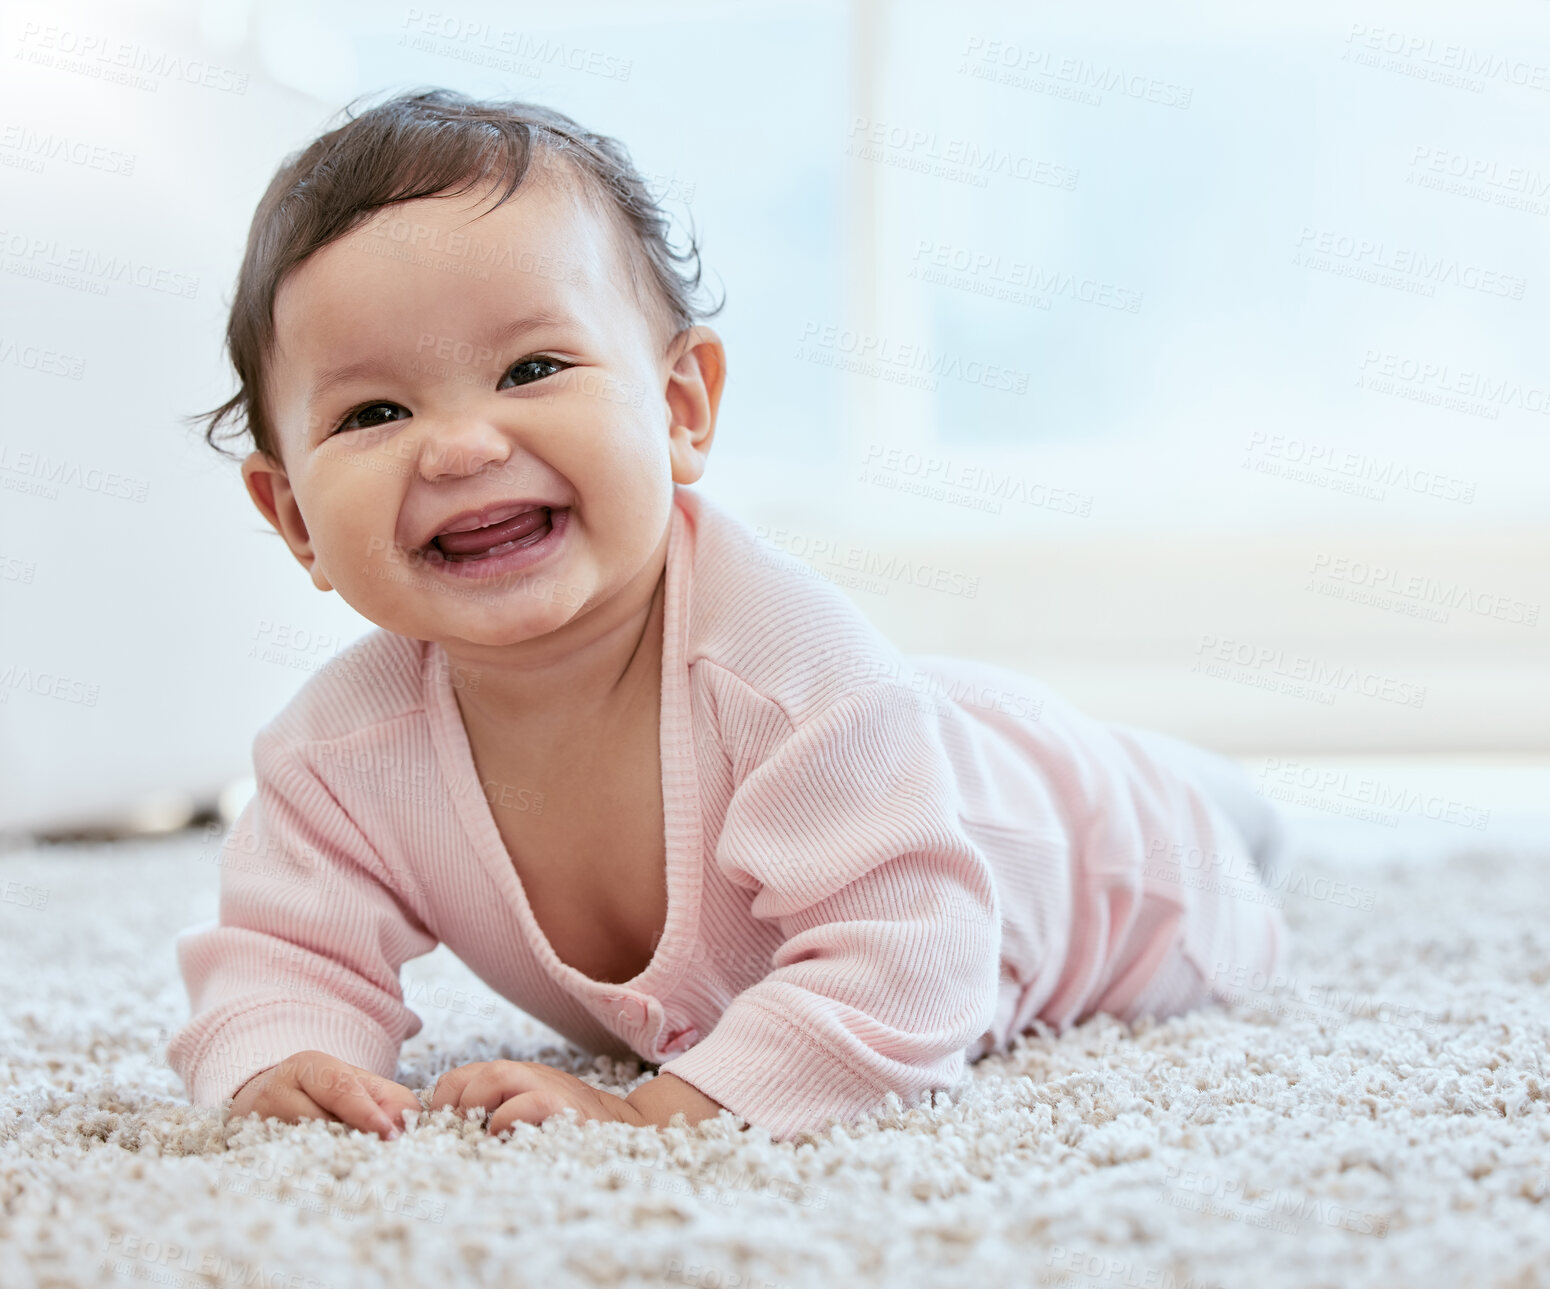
(545, 246)
(549, 228)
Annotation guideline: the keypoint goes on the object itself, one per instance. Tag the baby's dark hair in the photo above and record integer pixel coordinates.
(419, 145)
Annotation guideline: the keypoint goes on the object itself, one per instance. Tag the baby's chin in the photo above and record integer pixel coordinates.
(474, 614)
(482, 634)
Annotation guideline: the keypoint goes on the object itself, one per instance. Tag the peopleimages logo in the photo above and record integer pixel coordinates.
(1381, 581)
(1019, 281)
(869, 354)
(475, 41)
(1321, 248)
(974, 486)
(1442, 379)
(1523, 180)
(1302, 460)
(1282, 778)
(15, 137)
(47, 362)
(101, 56)
(1239, 1200)
(1252, 663)
(1483, 64)
(914, 148)
(17, 678)
(44, 256)
(1026, 66)
(890, 568)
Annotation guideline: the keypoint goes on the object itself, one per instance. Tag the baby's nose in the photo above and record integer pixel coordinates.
(461, 450)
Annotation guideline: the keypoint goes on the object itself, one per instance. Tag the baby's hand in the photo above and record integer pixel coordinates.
(315, 1085)
(527, 1092)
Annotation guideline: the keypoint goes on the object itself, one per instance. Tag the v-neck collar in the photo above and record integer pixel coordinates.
(680, 795)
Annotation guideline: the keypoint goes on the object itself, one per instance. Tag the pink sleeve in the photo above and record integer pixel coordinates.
(307, 949)
(889, 914)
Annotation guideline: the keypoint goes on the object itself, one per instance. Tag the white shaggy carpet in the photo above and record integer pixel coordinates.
(1386, 1121)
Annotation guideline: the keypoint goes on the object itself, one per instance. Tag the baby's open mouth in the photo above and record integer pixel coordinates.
(528, 526)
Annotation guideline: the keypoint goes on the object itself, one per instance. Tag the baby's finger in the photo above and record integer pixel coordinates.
(289, 1104)
(347, 1091)
(394, 1098)
(497, 1082)
(449, 1087)
(528, 1107)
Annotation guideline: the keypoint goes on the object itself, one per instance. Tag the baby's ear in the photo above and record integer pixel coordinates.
(693, 396)
(270, 488)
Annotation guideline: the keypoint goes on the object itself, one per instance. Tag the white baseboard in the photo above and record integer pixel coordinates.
(1156, 632)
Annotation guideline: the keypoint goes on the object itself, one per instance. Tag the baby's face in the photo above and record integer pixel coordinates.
(476, 423)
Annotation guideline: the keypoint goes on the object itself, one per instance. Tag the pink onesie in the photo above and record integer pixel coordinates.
(879, 866)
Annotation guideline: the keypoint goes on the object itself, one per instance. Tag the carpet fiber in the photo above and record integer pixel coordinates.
(1383, 1119)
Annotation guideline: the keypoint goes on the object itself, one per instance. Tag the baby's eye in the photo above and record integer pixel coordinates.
(529, 370)
(372, 415)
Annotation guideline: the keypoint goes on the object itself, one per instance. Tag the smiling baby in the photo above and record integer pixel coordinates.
(647, 777)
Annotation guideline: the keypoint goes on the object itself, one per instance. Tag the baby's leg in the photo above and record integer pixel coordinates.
(1235, 933)
(1230, 788)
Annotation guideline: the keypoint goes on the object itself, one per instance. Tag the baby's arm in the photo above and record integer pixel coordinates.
(305, 957)
(849, 832)
(659, 1099)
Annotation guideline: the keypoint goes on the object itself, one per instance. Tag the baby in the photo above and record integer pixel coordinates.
(648, 778)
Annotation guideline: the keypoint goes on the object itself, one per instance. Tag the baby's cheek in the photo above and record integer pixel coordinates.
(368, 570)
(352, 518)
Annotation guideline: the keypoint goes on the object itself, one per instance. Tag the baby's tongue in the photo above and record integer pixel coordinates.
(479, 541)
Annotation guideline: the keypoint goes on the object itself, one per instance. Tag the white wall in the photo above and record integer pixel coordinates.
(176, 615)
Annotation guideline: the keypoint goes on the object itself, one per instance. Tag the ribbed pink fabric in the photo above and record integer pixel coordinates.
(878, 865)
